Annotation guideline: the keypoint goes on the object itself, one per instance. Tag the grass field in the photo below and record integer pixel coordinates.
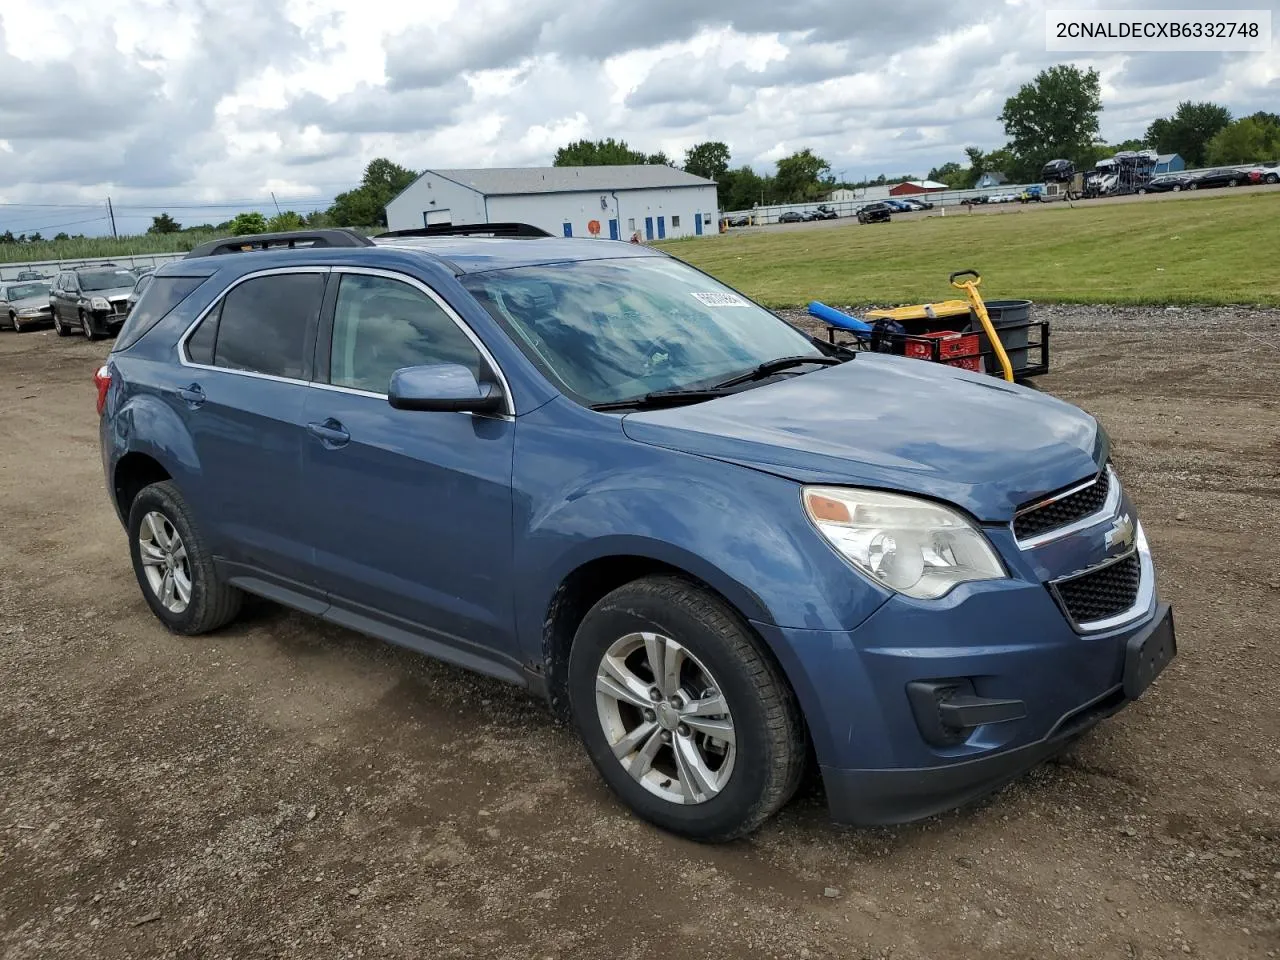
(84, 248)
(1212, 251)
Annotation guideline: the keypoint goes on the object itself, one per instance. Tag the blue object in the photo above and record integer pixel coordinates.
(835, 318)
(485, 537)
(662, 228)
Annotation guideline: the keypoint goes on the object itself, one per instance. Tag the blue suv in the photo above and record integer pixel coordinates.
(716, 545)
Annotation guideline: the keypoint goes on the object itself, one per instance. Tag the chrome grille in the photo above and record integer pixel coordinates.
(1103, 592)
(1077, 504)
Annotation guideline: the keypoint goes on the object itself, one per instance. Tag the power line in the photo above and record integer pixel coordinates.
(52, 226)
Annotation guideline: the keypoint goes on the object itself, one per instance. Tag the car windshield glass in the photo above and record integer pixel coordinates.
(610, 330)
(106, 279)
(21, 291)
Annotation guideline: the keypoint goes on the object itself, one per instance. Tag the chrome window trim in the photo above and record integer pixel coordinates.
(1108, 509)
(185, 361)
(509, 399)
(1142, 602)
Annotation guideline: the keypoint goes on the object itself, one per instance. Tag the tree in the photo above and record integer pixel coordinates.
(1248, 140)
(58, 237)
(1188, 131)
(35, 238)
(285, 220)
(658, 159)
(164, 224)
(1056, 115)
(366, 205)
(598, 153)
(318, 218)
(1131, 145)
(801, 176)
(247, 223)
(950, 173)
(709, 160)
(7, 237)
(741, 189)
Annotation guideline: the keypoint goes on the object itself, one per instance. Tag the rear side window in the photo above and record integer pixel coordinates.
(158, 299)
(261, 326)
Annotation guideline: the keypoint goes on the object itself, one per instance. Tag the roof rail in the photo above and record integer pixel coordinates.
(467, 230)
(289, 240)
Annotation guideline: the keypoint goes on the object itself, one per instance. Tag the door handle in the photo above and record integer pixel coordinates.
(331, 433)
(192, 395)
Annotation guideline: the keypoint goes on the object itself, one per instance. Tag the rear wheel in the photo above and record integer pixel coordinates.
(1176, 188)
(1272, 178)
(683, 713)
(1194, 186)
(58, 328)
(1232, 182)
(174, 567)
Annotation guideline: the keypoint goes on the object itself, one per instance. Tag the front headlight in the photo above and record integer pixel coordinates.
(913, 546)
(29, 312)
(99, 303)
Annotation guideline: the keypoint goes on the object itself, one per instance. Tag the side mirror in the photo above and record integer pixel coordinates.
(443, 387)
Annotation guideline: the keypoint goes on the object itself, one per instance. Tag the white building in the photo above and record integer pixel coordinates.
(608, 202)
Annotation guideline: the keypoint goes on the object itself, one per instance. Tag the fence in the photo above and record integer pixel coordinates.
(49, 268)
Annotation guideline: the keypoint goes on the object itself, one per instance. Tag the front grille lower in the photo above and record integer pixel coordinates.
(1103, 592)
(1064, 511)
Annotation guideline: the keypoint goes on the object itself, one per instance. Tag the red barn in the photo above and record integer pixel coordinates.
(908, 187)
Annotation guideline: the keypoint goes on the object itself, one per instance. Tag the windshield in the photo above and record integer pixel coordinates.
(105, 279)
(22, 291)
(610, 330)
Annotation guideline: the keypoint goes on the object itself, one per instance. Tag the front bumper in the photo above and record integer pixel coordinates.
(1008, 641)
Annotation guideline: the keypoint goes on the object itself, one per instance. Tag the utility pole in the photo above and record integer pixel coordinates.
(112, 214)
(276, 202)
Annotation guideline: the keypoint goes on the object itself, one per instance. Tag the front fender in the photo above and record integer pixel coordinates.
(582, 498)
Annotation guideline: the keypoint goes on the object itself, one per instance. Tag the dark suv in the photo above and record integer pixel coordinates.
(93, 300)
(587, 468)
(875, 213)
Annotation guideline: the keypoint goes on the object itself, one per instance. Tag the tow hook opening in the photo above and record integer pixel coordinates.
(947, 711)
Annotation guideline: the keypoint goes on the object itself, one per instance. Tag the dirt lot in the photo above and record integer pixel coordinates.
(287, 789)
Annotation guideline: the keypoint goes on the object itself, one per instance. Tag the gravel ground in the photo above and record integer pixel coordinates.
(284, 788)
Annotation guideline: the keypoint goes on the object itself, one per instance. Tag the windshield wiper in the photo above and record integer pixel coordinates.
(663, 398)
(770, 367)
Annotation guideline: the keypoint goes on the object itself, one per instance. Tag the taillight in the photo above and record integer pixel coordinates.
(102, 380)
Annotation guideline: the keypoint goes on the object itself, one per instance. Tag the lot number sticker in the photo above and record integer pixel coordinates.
(720, 300)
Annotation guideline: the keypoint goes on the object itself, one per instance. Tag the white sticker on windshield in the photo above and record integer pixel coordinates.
(720, 300)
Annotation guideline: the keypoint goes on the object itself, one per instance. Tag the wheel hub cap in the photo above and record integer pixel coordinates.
(164, 562)
(665, 719)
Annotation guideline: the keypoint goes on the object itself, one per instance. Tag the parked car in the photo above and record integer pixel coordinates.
(1220, 177)
(25, 304)
(791, 216)
(1002, 198)
(93, 300)
(1266, 173)
(30, 275)
(980, 198)
(1031, 194)
(823, 212)
(898, 206)
(703, 551)
(879, 212)
(139, 288)
(739, 221)
(916, 205)
(1166, 183)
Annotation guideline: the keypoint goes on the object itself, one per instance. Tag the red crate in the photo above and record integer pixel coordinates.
(949, 343)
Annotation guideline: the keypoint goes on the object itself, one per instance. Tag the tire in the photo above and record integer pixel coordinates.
(58, 328)
(15, 323)
(1194, 186)
(87, 327)
(1232, 183)
(1142, 191)
(761, 769)
(1272, 178)
(210, 603)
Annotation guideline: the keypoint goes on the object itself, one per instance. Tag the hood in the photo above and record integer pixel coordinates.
(893, 423)
(115, 293)
(26, 303)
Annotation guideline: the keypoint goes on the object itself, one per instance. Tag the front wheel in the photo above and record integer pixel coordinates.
(1142, 191)
(683, 712)
(174, 566)
(15, 322)
(87, 327)
(1272, 178)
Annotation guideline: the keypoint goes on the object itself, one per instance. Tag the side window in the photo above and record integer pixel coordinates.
(200, 343)
(263, 324)
(381, 325)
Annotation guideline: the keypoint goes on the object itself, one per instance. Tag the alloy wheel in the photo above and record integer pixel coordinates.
(665, 718)
(85, 327)
(164, 561)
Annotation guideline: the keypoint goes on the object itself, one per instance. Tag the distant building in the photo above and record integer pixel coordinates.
(609, 202)
(909, 187)
(991, 179)
(1169, 163)
(843, 195)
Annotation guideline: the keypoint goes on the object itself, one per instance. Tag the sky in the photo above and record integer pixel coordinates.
(205, 107)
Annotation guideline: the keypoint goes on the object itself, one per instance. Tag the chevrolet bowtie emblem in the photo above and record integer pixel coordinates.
(1121, 533)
